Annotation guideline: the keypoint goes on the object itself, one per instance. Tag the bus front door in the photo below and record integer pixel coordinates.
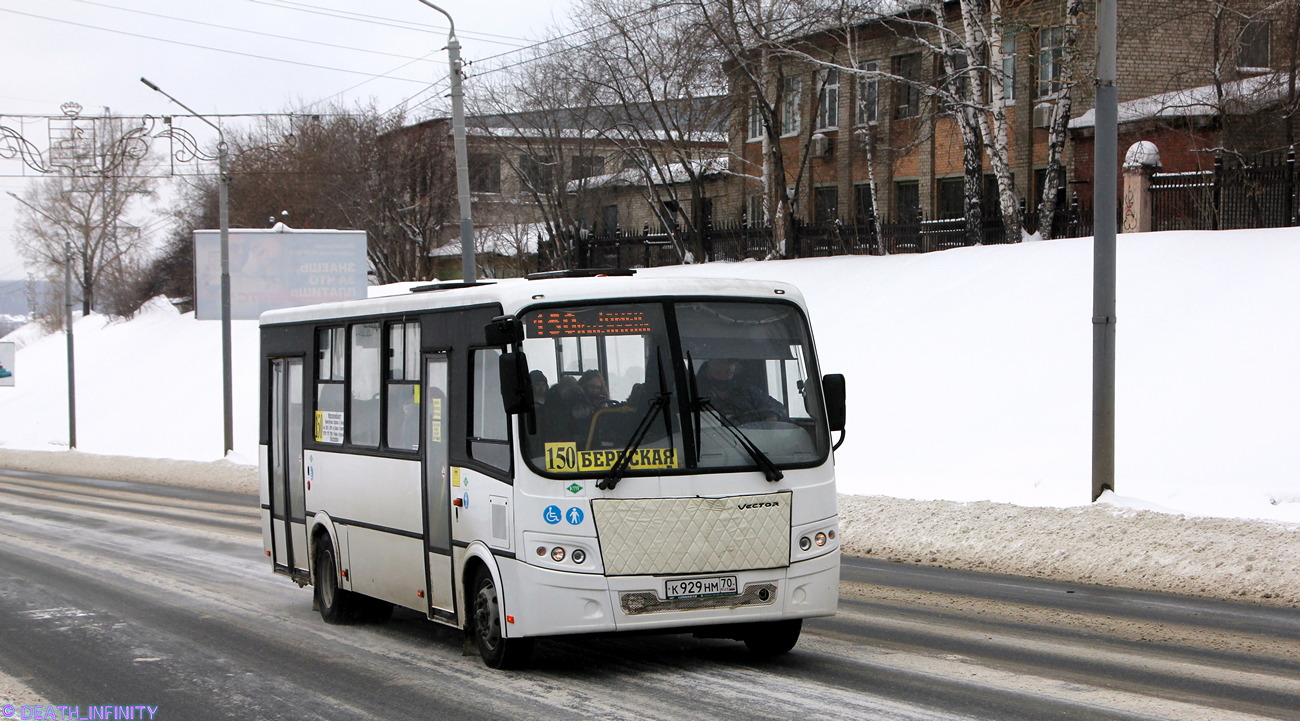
(437, 490)
(288, 516)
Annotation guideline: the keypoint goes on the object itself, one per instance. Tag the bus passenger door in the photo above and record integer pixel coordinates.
(288, 517)
(437, 491)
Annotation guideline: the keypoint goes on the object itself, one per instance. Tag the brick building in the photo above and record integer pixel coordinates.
(835, 120)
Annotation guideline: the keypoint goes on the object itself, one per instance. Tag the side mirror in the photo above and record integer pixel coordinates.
(516, 387)
(833, 389)
(504, 330)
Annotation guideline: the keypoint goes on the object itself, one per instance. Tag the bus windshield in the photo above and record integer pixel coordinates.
(681, 387)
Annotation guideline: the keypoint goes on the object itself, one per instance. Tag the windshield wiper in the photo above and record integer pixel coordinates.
(657, 404)
(765, 464)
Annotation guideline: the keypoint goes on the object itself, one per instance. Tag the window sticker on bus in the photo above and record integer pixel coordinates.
(566, 458)
(435, 408)
(329, 426)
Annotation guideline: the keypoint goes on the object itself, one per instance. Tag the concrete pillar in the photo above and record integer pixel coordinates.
(1140, 162)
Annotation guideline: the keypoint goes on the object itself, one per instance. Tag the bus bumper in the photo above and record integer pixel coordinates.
(550, 602)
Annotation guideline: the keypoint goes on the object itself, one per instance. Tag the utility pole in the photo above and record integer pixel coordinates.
(223, 212)
(1103, 263)
(67, 319)
(469, 271)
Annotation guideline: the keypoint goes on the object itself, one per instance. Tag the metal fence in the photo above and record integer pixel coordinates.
(741, 241)
(1239, 192)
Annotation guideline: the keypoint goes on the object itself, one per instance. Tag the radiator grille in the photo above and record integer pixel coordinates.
(663, 536)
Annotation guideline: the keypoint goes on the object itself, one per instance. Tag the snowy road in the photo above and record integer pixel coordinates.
(124, 594)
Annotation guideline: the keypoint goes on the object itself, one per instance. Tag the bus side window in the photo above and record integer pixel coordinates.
(402, 384)
(489, 437)
(363, 406)
(329, 386)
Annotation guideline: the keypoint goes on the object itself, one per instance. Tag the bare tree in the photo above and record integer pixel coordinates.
(344, 168)
(90, 211)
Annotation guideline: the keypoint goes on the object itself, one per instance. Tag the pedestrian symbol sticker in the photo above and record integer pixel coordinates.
(552, 515)
(574, 515)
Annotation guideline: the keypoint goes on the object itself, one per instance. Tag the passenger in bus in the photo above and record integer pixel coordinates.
(734, 396)
(540, 386)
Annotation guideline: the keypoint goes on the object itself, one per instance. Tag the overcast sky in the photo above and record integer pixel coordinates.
(232, 57)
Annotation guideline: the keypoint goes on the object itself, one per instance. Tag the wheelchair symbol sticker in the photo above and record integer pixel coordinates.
(552, 515)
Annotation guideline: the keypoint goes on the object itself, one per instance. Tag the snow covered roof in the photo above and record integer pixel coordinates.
(1240, 97)
(667, 175)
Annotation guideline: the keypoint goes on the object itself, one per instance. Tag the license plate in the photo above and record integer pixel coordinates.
(701, 587)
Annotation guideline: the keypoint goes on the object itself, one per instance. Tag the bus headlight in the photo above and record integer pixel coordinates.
(578, 556)
(557, 554)
(805, 544)
(820, 539)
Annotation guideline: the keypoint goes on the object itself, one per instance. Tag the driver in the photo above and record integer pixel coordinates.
(733, 396)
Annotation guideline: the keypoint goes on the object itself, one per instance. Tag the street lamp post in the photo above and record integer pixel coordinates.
(469, 270)
(1104, 230)
(67, 320)
(223, 213)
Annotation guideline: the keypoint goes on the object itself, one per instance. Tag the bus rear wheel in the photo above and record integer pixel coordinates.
(337, 605)
(497, 650)
(773, 638)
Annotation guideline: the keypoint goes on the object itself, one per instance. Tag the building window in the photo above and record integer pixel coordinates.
(826, 204)
(609, 216)
(828, 98)
(958, 86)
(1051, 61)
(864, 208)
(1040, 184)
(1009, 67)
(1253, 44)
(907, 92)
(755, 120)
(907, 200)
(952, 198)
(754, 210)
(791, 99)
(484, 173)
(586, 166)
(538, 172)
(868, 93)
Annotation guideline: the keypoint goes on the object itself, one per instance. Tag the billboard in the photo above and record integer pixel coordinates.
(6, 364)
(278, 268)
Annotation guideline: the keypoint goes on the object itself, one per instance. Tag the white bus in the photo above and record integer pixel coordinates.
(556, 455)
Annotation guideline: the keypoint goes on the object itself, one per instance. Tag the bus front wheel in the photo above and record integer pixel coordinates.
(497, 650)
(336, 604)
(773, 638)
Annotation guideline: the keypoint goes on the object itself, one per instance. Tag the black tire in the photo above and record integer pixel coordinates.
(773, 638)
(336, 605)
(497, 650)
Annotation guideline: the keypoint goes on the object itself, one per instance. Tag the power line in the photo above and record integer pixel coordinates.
(275, 36)
(202, 47)
(386, 22)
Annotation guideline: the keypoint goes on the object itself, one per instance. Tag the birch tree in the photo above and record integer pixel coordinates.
(1063, 88)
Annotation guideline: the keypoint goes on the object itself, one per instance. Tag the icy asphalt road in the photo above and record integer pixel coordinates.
(130, 594)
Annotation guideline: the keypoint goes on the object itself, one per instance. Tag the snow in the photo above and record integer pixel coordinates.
(969, 376)
(1242, 97)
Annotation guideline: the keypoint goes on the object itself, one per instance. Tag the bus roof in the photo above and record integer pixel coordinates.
(515, 294)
